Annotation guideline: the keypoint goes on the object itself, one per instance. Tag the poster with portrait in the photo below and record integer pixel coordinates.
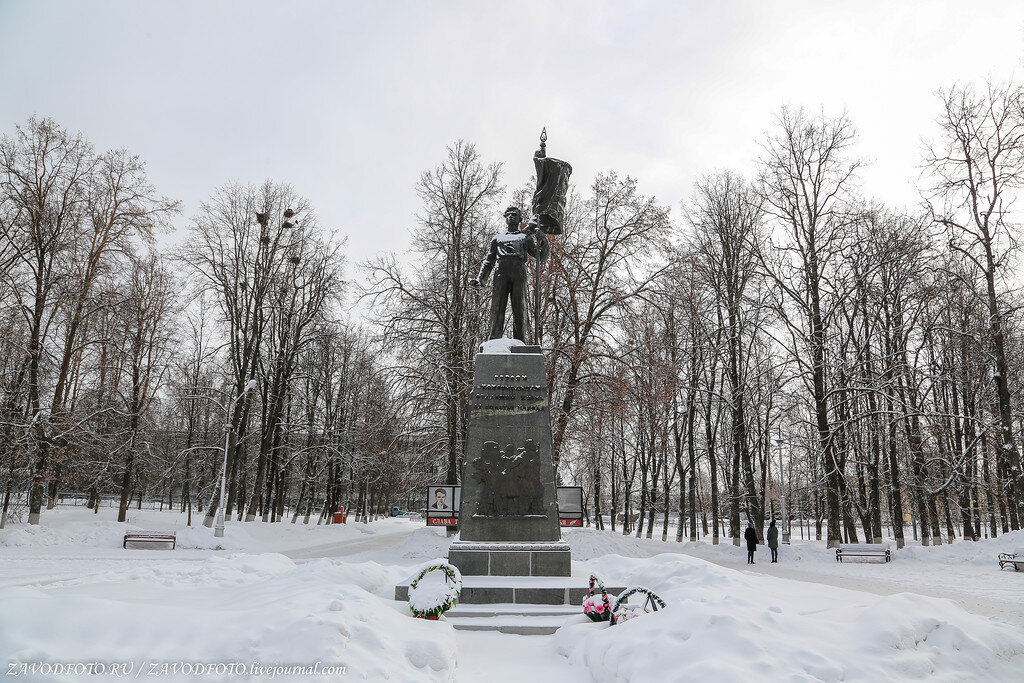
(570, 505)
(443, 502)
(443, 505)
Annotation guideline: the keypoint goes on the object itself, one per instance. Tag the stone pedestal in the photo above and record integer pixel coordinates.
(546, 558)
(516, 569)
(519, 590)
(509, 547)
(508, 520)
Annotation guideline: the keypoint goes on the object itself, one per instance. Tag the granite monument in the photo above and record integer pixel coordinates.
(509, 524)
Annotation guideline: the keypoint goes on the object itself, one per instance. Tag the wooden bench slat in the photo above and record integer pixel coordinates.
(878, 550)
(150, 537)
(1014, 559)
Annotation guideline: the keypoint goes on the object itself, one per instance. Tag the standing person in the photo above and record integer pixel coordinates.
(773, 541)
(751, 538)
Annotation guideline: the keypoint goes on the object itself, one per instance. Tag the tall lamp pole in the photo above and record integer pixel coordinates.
(218, 528)
(782, 489)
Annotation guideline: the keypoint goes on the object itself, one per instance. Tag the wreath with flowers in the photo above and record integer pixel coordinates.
(623, 611)
(595, 603)
(429, 600)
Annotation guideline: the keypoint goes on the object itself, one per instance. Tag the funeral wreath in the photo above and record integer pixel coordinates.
(431, 597)
(623, 611)
(595, 604)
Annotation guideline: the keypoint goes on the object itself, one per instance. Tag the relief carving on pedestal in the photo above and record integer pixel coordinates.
(509, 480)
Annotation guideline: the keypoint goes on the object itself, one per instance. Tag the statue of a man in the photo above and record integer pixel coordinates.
(510, 253)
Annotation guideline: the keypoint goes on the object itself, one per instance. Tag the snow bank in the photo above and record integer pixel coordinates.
(966, 552)
(77, 528)
(815, 553)
(106, 534)
(426, 543)
(98, 534)
(242, 608)
(724, 625)
(588, 543)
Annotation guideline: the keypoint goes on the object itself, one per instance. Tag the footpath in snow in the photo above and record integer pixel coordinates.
(301, 596)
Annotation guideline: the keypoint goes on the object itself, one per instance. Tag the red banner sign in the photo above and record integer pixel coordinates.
(570, 522)
(442, 521)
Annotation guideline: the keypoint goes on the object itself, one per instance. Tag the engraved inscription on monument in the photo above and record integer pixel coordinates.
(507, 395)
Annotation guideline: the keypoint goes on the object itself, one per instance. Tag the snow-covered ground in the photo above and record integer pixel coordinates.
(965, 572)
(294, 596)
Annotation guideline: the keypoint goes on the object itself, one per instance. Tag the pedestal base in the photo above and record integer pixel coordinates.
(520, 590)
(491, 558)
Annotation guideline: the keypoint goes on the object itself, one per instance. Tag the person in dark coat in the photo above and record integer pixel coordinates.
(750, 536)
(773, 540)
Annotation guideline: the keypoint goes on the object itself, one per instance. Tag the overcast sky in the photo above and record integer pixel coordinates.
(351, 101)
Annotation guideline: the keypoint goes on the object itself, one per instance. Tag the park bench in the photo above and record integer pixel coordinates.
(146, 537)
(1014, 560)
(879, 551)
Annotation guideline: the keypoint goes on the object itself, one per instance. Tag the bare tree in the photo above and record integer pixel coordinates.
(146, 337)
(238, 247)
(976, 169)
(305, 290)
(429, 317)
(599, 264)
(806, 176)
(726, 217)
(70, 212)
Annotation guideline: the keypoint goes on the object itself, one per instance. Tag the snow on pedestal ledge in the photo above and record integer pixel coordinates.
(503, 345)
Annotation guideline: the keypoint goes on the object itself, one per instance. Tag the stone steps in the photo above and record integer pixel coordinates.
(521, 590)
(513, 618)
(524, 605)
(511, 608)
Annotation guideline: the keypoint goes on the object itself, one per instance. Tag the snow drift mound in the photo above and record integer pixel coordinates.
(243, 608)
(78, 528)
(983, 553)
(96, 534)
(107, 534)
(425, 543)
(723, 625)
(588, 543)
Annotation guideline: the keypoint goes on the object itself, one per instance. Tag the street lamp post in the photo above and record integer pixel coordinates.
(782, 493)
(218, 528)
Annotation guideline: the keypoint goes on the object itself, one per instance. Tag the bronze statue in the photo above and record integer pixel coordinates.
(511, 252)
(507, 257)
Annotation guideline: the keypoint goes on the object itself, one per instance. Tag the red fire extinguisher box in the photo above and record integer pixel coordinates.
(340, 516)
